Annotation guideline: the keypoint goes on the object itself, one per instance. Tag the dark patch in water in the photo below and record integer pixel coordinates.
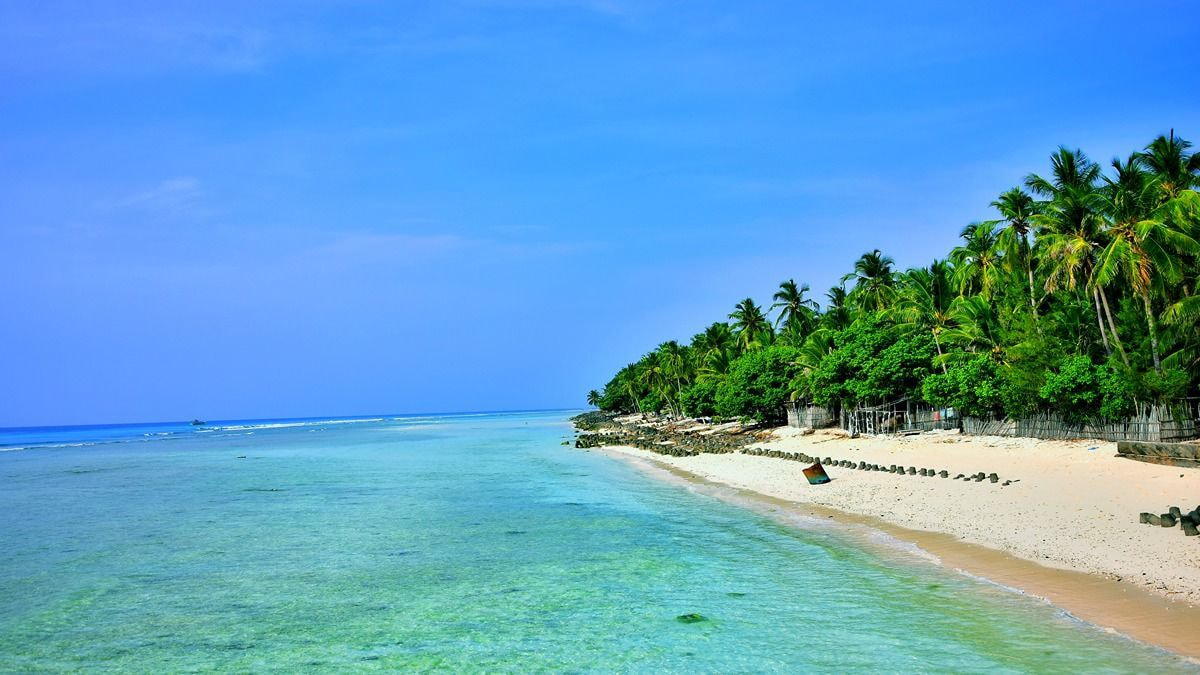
(264, 490)
(736, 594)
(691, 618)
(515, 532)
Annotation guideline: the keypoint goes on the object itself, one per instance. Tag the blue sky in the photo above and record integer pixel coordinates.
(225, 210)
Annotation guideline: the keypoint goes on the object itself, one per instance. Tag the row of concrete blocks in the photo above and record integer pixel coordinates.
(864, 466)
(1188, 522)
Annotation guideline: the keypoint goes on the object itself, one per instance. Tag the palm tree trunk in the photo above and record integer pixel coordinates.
(636, 403)
(937, 343)
(1100, 322)
(1029, 271)
(1112, 327)
(1153, 331)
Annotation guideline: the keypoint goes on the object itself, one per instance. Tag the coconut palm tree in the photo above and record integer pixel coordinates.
(1173, 167)
(873, 281)
(1069, 170)
(654, 377)
(750, 325)
(716, 365)
(837, 316)
(1017, 210)
(977, 261)
(924, 300)
(818, 345)
(1141, 249)
(1073, 230)
(676, 362)
(593, 398)
(1182, 321)
(974, 325)
(796, 312)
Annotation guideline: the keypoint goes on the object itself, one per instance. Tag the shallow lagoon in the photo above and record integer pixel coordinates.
(463, 543)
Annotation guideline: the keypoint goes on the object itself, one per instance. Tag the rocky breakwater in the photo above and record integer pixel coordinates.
(685, 438)
(897, 469)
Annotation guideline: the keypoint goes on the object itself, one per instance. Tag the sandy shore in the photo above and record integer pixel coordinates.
(1073, 507)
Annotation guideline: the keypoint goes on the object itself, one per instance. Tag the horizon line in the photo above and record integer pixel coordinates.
(288, 419)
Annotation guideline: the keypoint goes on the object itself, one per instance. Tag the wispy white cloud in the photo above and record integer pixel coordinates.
(172, 195)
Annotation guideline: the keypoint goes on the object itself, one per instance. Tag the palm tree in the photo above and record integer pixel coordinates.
(1141, 249)
(797, 313)
(1173, 167)
(975, 326)
(924, 301)
(837, 316)
(676, 365)
(593, 398)
(1070, 170)
(873, 280)
(655, 378)
(750, 325)
(815, 348)
(1073, 231)
(1182, 319)
(1017, 210)
(977, 261)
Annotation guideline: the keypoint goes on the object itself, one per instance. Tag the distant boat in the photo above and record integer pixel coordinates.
(198, 423)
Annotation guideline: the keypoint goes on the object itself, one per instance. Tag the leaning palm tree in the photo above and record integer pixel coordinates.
(1017, 210)
(750, 325)
(1143, 249)
(977, 261)
(796, 312)
(873, 281)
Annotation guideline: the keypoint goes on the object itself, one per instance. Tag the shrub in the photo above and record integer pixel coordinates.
(700, 398)
(1083, 392)
(872, 362)
(972, 385)
(758, 384)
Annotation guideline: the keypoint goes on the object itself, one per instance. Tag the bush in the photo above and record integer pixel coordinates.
(700, 398)
(972, 385)
(652, 402)
(871, 361)
(1083, 392)
(758, 384)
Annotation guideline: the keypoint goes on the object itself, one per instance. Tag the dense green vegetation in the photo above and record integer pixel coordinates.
(1082, 298)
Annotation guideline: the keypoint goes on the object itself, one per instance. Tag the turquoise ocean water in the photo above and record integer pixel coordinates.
(459, 543)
